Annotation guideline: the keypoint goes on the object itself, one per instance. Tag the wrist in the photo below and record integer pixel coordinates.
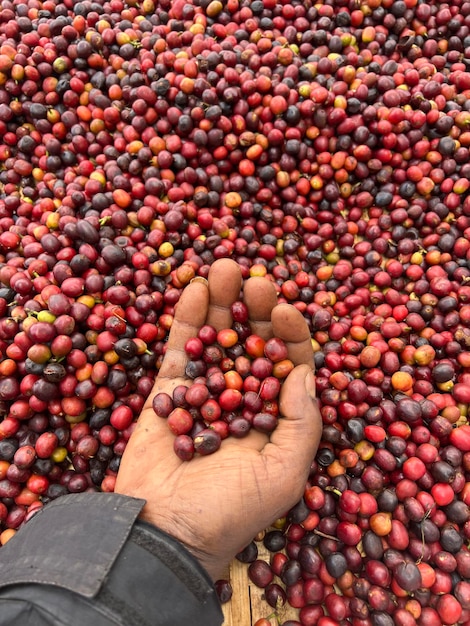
(189, 540)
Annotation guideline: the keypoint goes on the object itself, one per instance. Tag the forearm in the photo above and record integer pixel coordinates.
(87, 556)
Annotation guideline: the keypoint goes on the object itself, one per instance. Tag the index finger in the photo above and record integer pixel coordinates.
(290, 325)
(260, 297)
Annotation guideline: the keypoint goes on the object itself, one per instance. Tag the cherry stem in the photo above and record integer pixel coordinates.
(325, 535)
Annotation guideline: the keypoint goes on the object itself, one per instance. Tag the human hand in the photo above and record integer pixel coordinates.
(216, 504)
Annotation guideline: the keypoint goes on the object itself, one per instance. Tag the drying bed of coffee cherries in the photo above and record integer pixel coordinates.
(324, 145)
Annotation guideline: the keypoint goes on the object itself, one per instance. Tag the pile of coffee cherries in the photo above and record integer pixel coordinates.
(322, 145)
(236, 380)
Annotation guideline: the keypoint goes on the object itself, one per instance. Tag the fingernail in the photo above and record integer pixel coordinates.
(199, 279)
(310, 385)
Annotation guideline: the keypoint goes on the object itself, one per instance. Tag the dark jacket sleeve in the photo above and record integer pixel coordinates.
(87, 559)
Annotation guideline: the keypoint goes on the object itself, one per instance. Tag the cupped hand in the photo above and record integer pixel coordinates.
(216, 504)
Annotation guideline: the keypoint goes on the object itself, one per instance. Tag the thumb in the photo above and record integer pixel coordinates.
(297, 436)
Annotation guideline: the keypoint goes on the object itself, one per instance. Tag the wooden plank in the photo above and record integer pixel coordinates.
(238, 610)
(248, 604)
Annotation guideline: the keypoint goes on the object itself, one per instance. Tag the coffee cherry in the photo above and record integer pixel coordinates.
(260, 573)
(162, 404)
(184, 447)
(207, 441)
(180, 421)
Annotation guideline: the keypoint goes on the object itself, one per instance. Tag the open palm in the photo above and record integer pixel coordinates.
(216, 504)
